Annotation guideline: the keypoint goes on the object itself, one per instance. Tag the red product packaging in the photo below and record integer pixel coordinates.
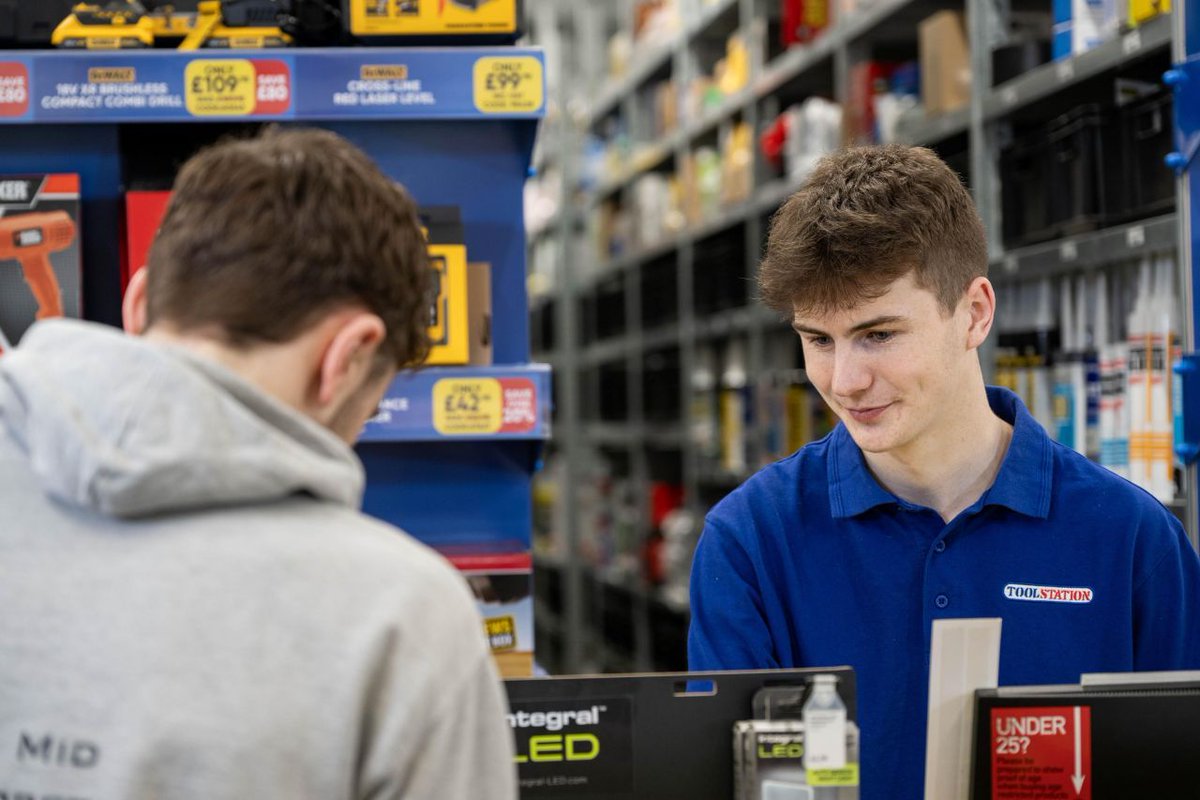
(143, 214)
(40, 273)
(802, 20)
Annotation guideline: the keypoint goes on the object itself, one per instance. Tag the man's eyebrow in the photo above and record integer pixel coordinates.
(890, 319)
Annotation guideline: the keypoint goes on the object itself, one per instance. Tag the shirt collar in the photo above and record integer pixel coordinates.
(1023, 483)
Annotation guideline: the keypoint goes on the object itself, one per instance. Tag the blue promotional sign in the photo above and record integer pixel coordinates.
(366, 83)
(464, 403)
(441, 83)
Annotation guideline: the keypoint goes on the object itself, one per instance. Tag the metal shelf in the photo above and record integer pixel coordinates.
(626, 434)
(708, 17)
(1088, 250)
(668, 435)
(795, 62)
(658, 338)
(712, 474)
(931, 130)
(1050, 79)
(606, 350)
(618, 434)
(647, 63)
(730, 322)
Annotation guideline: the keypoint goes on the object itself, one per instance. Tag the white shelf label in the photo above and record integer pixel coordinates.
(1009, 96)
(1132, 42)
(1068, 251)
(1135, 236)
(1065, 71)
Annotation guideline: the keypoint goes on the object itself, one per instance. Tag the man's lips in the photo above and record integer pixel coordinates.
(868, 413)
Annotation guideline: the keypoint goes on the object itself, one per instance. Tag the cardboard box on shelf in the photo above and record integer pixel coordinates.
(479, 314)
(370, 18)
(802, 20)
(945, 62)
(40, 272)
(144, 211)
(503, 588)
(448, 324)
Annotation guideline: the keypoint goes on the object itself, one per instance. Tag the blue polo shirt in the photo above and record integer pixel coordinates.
(812, 562)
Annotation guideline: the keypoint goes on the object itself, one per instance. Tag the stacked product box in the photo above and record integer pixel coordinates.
(40, 273)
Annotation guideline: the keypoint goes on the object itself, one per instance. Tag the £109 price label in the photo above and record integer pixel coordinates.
(237, 87)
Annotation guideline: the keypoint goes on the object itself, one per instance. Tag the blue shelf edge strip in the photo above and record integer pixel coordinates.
(465, 404)
(281, 84)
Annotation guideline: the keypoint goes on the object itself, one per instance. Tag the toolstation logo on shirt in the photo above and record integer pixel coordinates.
(1048, 594)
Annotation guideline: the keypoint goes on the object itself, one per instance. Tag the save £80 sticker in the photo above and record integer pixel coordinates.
(237, 87)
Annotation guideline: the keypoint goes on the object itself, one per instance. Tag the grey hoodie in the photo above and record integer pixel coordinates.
(192, 607)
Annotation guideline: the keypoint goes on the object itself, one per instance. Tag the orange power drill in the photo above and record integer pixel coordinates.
(30, 239)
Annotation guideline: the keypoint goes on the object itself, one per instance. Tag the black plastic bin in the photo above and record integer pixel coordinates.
(1147, 136)
(1086, 169)
(1025, 173)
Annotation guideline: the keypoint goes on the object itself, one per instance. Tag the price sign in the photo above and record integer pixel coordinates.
(508, 85)
(220, 88)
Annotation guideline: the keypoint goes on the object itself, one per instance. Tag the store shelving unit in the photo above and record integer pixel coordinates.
(621, 316)
(618, 316)
(440, 125)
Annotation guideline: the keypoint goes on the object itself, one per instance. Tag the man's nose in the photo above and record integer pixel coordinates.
(851, 372)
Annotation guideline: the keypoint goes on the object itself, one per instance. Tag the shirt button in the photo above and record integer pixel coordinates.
(941, 601)
(939, 546)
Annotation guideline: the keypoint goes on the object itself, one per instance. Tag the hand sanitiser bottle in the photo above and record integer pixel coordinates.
(824, 717)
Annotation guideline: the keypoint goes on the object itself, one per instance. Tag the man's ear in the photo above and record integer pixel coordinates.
(981, 309)
(133, 305)
(349, 356)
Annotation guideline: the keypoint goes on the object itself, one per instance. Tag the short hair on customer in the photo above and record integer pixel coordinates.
(866, 217)
(264, 235)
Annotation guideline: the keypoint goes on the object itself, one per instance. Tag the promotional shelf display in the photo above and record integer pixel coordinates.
(39, 251)
(503, 588)
(677, 736)
(450, 455)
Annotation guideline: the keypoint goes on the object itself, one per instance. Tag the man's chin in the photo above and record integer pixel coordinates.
(869, 440)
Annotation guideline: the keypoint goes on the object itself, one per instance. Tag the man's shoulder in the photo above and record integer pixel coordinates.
(1085, 488)
(340, 550)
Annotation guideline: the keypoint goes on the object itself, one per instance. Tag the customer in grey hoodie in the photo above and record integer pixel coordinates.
(191, 604)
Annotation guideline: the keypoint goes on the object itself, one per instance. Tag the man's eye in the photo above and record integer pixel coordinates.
(820, 341)
(881, 337)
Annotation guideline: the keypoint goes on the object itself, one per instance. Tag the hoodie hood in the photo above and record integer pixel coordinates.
(131, 428)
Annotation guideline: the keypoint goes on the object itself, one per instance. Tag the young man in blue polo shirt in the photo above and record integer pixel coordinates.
(936, 496)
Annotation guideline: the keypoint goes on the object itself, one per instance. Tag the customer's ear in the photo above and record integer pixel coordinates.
(133, 305)
(349, 357)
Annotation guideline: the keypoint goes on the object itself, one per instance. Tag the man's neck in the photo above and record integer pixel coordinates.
(950, 468)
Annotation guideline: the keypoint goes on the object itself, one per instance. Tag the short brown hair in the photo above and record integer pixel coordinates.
(866, 217)
(263, 235)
